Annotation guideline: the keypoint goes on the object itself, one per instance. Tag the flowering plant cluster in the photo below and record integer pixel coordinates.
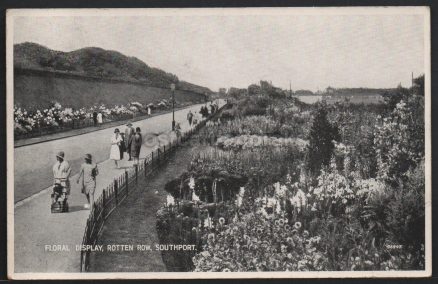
(254, 243)
(398, 146)
(55, 116)
(288, 230)
(254, 141)
(286, 217)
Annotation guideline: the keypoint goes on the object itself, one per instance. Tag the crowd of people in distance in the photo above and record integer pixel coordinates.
(194, 118)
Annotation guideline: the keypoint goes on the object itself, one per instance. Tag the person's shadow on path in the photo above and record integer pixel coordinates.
(77, 208)
(125, 168)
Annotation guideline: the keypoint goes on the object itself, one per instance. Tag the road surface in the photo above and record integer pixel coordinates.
(33, 163)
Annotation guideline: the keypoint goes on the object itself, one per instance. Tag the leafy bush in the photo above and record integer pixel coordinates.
(175, 228)
(228, 114)
(406, 213)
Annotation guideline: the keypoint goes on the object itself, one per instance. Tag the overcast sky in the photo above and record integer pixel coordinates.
(310, 51)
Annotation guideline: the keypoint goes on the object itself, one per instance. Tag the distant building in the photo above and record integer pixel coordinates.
(330, 90)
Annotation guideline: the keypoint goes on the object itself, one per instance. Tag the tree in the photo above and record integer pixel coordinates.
(393, 97)
(254, 89)
(321, 138)
(418, 87)
(222, 92)
(236, 92)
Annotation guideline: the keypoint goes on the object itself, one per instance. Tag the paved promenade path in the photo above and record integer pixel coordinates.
(35, 227)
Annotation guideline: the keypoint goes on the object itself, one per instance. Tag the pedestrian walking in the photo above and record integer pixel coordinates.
(178, 130)
(129, 131)
(116, 140)
(87, 177)
(99, 118)
(95, 118)
(136, 141)
(204, 111)
(190, 117)
(195, 119)
(149, 111)
(61, 172)
(122, 146)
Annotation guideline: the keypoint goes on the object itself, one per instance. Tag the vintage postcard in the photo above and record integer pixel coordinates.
(219, 143)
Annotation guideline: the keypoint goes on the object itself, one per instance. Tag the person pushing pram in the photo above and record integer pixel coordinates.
(61, 184)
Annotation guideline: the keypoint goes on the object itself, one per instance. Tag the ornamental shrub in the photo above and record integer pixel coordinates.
(321, 146)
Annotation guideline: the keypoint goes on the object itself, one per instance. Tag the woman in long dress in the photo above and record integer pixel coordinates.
(87, 175)
(136, 141)
(99, 118)
(116, 141)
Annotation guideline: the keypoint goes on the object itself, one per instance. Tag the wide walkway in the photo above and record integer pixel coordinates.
(36, 229)
(33, 163)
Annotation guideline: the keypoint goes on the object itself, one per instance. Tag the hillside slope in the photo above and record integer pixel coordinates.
(97, 62)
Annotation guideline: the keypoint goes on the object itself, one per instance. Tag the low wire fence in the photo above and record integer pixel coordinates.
(115, 193)
(40, 129)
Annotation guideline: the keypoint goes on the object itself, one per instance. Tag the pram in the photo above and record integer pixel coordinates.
(59, 196)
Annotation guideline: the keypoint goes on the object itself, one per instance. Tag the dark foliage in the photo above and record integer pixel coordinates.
(321, 147)
(97, 62)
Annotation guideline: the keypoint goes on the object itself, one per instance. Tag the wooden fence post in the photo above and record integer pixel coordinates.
(126, 181)
(103, 203)
(116, 186)
(145, 167)
(136, 173)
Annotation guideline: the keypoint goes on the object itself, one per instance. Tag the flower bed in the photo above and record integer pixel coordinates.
(283, 215)
(254, 141)
(29, 123)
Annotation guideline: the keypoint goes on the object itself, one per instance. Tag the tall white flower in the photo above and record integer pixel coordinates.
(242, 191)
(280, 190)
(278, 208)
(299, 200)
(239, 201)
(195, 198)
(192, 183)
(208, 223)
(170, 200)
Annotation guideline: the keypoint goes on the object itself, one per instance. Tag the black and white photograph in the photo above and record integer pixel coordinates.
(219, 143)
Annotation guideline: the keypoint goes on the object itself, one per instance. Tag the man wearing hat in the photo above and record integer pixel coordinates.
(87, 175)
(62, 171)
(129, 131)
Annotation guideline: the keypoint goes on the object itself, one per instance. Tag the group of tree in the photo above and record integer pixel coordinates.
(97, 62)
